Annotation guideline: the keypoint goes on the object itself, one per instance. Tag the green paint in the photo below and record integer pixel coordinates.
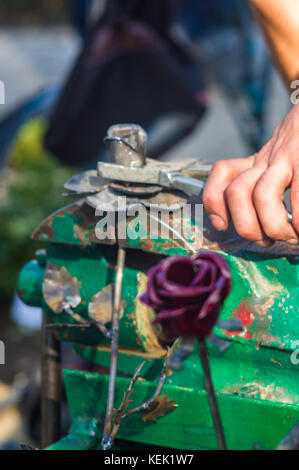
(257, 386)
(30, 283)
(191, 423)
(64, 229)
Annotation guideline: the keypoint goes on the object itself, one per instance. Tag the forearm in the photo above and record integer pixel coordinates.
(279, 21)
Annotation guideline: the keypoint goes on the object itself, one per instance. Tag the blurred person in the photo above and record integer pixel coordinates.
(130, 69)
(250, 191)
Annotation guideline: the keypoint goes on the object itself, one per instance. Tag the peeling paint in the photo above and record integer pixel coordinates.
(272, 268)
(261, 391)
(261, 286)
(149, 335)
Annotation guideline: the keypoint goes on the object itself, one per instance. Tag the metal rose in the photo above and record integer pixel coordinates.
(187, 293)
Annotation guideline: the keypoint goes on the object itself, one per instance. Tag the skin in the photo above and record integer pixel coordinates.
(279, 21)
(250, 190)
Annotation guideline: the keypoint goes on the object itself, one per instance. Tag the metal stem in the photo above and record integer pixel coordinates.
(107, 440)
(50, 386)
(211, 394)
(144, 406)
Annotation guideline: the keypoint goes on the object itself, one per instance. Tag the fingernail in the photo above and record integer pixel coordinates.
(293, 241)
(218, 222)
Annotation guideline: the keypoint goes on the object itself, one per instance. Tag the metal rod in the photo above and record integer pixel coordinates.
(144, 406)
(211, 394)
(107, 440)
(50, 386)
(125, 402)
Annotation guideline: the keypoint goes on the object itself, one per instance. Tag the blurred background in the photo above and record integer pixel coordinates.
(71, 68)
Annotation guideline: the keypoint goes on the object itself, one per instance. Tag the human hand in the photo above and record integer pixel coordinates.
(250, 191)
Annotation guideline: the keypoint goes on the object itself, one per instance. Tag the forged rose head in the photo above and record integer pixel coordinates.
(187, 293)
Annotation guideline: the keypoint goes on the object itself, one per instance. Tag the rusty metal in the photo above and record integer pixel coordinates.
(127, 144)
(60, 289)
(85, 183)
(125, 403)
(84, 234)
(147, 404)
(132, 189)
(107, 439)
(152, 175)
(100, 308)
(211, 394)
(50, 385)
(157, 406)
(84, 230)
(170, 200)
(109, 200)
(83, 225)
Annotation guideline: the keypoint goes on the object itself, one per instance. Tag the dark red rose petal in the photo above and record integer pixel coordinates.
(187, 293)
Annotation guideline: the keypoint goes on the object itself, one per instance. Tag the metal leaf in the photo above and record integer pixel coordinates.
(174, 348)
(179, 351)
(60, 289)
(160, 406)
(233, 324)
(164, 200)
(221, 344)
(85, 183)
(100, 308)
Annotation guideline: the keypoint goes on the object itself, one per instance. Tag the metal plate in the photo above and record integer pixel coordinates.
(131, 189)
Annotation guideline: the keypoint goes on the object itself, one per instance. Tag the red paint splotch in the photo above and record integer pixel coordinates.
(245, 314)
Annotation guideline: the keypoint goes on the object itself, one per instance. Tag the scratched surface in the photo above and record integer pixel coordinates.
(253, 378)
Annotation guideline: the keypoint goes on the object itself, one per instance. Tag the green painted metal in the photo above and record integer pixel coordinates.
(190, 423)
(30, 283)
(257, 386)
(264, 296)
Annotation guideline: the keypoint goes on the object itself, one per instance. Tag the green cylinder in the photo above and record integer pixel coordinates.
(29, 286)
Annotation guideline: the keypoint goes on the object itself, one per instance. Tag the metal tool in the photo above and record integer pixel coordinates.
(157, 175)
(129, 172)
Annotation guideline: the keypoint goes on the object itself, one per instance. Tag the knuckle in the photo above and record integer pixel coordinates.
(209, 200)
(233, 190)
(220, 167)
(259, 194)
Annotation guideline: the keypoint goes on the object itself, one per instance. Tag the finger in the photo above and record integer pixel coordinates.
(243, 213)
(268, 197)
(222, 174)
(294, 198)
